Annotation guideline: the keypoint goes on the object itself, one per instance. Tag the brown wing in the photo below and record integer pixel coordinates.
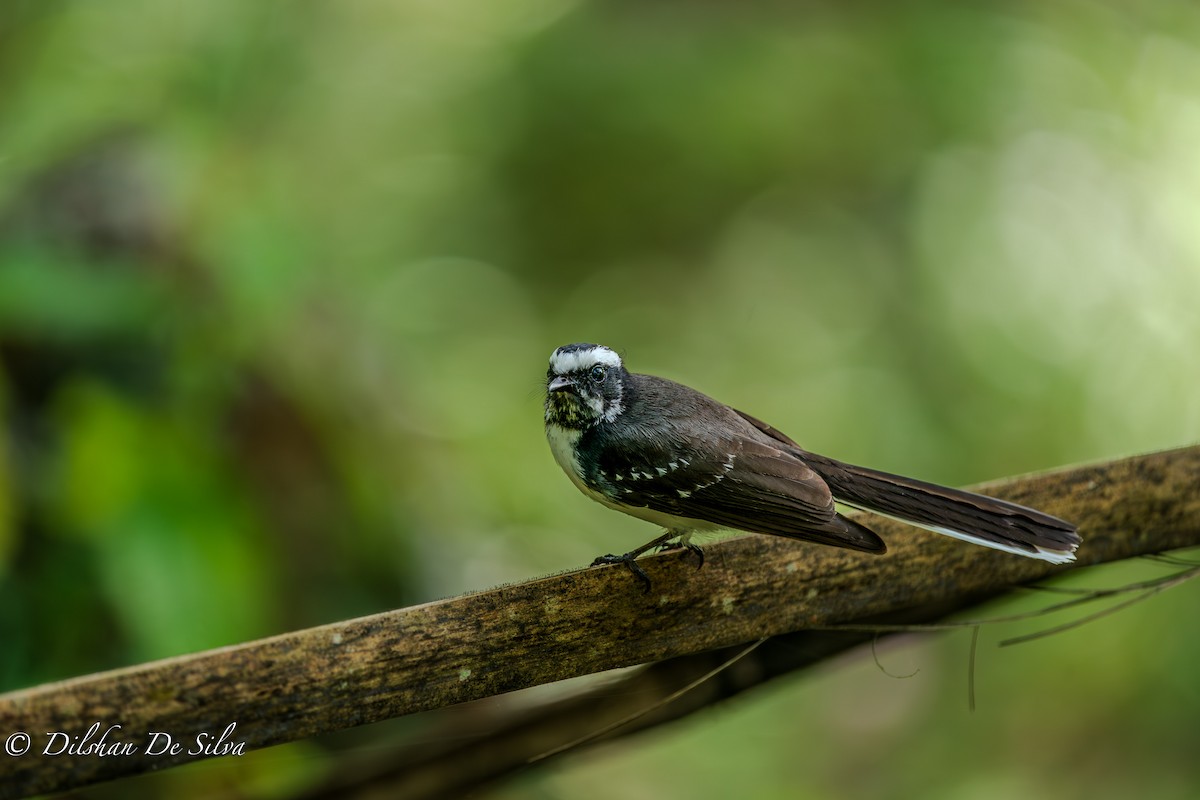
(749, 485)
(769, 430)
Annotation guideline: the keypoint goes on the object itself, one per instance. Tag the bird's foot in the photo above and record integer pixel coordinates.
(630, 561)
(694, 549)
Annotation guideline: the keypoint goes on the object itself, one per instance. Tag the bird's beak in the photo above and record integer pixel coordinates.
(560, 383)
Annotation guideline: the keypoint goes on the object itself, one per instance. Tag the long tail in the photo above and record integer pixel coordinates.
(953, 512)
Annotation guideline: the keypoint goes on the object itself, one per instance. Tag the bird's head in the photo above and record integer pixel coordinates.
(584, 386)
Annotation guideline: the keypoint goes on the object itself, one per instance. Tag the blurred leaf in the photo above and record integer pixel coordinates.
(173, 533)
(59, 297)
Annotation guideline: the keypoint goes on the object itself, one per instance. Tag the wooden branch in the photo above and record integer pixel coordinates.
(460, 749)
(365, 670)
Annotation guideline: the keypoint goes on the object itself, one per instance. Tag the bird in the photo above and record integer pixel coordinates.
(668, 454)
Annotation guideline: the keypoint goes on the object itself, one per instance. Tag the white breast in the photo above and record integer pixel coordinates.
(562, 444)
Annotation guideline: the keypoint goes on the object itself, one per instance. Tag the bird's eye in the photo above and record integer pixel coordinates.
(597, 374)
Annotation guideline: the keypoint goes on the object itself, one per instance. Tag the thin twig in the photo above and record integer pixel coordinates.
(673, 696)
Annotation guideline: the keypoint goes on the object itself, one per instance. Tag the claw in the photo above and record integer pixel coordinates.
(629, 560)
(691, 548)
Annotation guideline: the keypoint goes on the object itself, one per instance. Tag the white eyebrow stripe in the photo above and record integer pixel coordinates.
(563, 363)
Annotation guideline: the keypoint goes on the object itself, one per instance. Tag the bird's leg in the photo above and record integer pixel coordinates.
(662, 542)
(684, 543)
(628, 559)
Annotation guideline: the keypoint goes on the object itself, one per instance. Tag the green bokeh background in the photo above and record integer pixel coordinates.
(278, 281)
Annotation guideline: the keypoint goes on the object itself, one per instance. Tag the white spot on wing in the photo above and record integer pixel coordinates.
(725, 468)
